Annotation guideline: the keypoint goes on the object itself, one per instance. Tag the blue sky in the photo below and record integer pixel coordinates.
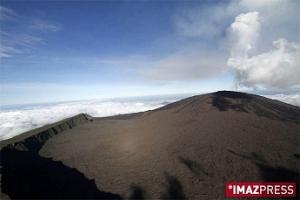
(71, 50)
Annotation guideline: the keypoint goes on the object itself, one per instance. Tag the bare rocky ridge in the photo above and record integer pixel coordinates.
(27, 175)
(33, 140)
(187, 149)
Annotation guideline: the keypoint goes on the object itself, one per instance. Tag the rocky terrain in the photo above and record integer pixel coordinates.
(184, 150)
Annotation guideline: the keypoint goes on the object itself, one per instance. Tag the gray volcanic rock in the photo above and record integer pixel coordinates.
(34, 139)
(27, 175)
(187, 149)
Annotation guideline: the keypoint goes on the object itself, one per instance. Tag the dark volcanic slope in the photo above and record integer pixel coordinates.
(187, 149)
(27, 175)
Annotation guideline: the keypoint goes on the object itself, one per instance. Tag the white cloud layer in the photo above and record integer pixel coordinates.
(16, 121)
(293, 99)
(276, 68)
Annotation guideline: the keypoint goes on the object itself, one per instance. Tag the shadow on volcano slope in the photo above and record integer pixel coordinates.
(281, 174)
(261, 106)
(136, 192)
(222, 102)
(194, 167)
(174, 189)
(269, 172)
(27, 175)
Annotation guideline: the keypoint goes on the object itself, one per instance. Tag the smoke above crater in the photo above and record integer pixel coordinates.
(277, 68)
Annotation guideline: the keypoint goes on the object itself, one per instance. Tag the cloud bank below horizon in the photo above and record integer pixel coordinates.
(16, 121)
